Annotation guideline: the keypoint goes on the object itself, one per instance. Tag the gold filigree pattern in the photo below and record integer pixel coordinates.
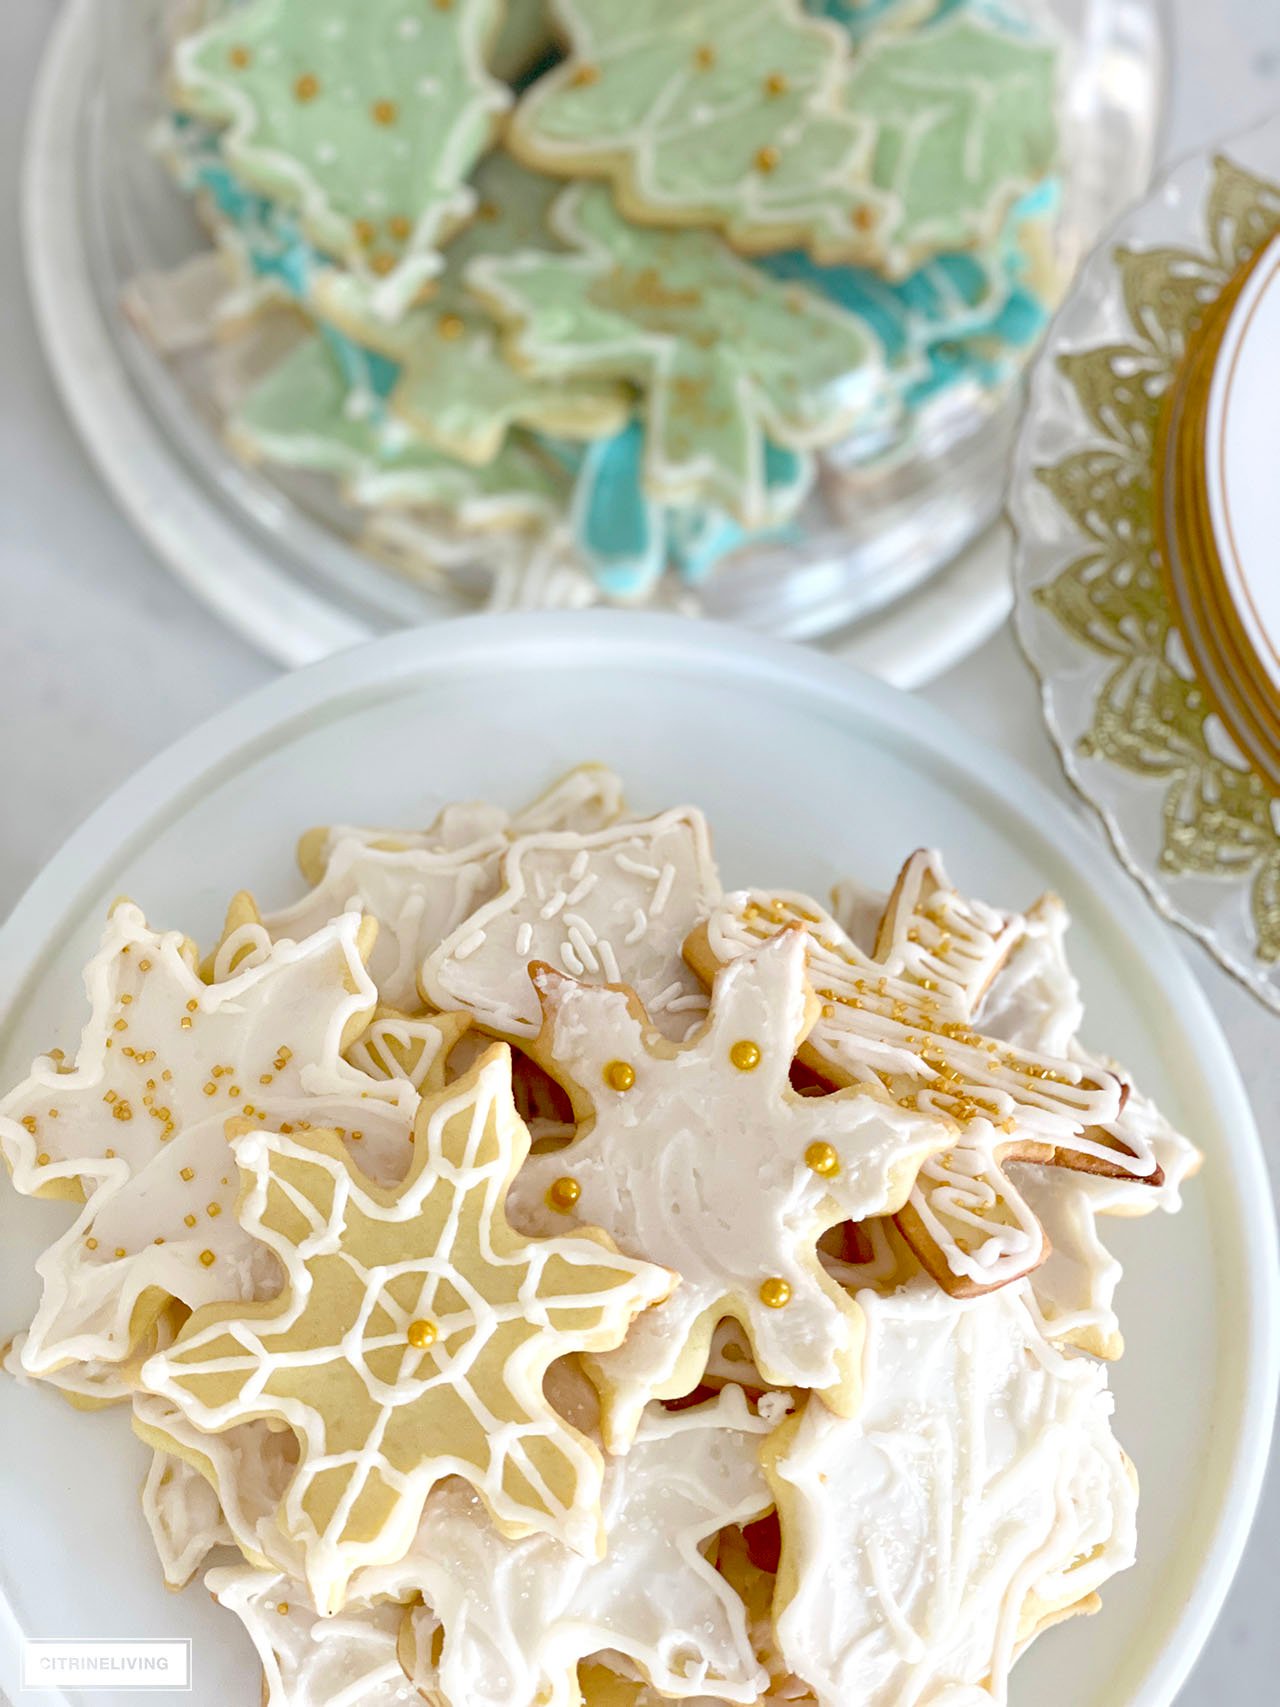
(1152, 717)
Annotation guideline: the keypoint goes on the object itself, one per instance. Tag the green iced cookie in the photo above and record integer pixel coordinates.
(305, 415)
(751, 116)
(726, 357)
(366, 118)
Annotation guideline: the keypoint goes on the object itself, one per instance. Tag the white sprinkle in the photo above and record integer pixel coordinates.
(409, 27)
(326, 153)
(639, 925)
(662, 894)
(524, 938)
(553, 906)
(539, 887)
(584, 925)
(687, 1004)
(428, 86)
(579, 864)
(583, 889)
(583, 949)
(468, 945)
(636, 867)
(609, 960)
(664, 998)
(570, 961)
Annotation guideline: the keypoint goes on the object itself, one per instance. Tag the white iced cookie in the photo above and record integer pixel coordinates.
(420, 885)
(977, 1494)
(165, 1063)
(614, 907)
(907, 1016)
(307, 1661)
(518, 1616)
(702, 1157)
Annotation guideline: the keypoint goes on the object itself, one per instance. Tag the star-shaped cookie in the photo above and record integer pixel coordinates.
(412, 1335)
(702, 1157)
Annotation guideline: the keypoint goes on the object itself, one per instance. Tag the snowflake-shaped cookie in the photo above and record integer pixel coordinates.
(518, 1617)
(977, 1495)
(906, 1017)
(412, 1336)
(366, 119)
(615, 906)
(728, 358)
(702, 1157)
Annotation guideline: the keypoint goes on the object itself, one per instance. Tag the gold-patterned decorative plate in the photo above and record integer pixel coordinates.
(1132, 600)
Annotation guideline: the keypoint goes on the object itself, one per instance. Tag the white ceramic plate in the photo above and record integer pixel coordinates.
(297, 593)
(806, 772)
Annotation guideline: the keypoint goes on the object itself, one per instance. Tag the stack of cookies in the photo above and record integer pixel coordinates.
(591, 295)
(549, 1278)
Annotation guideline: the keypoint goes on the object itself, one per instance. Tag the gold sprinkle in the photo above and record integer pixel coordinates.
(265, 1078)
(766, 159)
(189, 1220)
(382, 263)
(125, 1001)
(451, 326)
(188, 1174)
(563, 1193)
(775, 84)
(775, 1293)
(233, 1090)
(207, 1258)
(42, 1160)
(122, 1111)
(307, 87)
(121, 1025)
(421, 1334)
(184, 1022)
(400, 227)
(240, 56)
(157, 1240)
(384, 112)
(584, 76)
(91, 1244)
(211, 1089)
(193, 1006)
(704, 57)
(366, 231)
(356, 1137)
(120, 1251)
(213, 1210)
(282, 1607)
(109, 1154)
(745, 1055)
(863, 217)
(29, 1121)
(144, 966)
(619, 1075)
(823, 1158)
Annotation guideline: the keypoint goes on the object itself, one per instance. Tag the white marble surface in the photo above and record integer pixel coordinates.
(104, 658)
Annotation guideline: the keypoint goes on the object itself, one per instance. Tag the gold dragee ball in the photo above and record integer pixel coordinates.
(563, 1193)
(823, 1158)
(619, 1075)
(745, 1055)
(421, 1334)
(775, 1293)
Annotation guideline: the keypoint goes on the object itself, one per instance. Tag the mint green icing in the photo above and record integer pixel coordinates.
(724, 356)
(365, 120)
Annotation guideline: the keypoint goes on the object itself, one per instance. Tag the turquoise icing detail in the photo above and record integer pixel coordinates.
(862, 18)
(960, 318)
(626, 539)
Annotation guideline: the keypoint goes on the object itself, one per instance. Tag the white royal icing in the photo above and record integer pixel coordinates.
(420, 885)
(701, 1165)
(519, 1616)
(182, 1512)
(978, 1491)
(614, 907)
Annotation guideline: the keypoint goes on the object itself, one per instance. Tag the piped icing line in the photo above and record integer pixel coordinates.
(518, 1616)
(702, 1157)
(613, 907)
(367, 122)
(181, 1511)
(978, 1494)
(408, 1317)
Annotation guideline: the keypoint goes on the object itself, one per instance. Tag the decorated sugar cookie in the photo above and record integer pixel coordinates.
(421, 884)
(155, 1035)
(517, 1617)
(299, 416)
(906, 1018)
(978, 1494)
(762, 123)
(408, 1317)
(308, 1661)
(366, 120)
(613, 907)
(704, 1158)
(727, 358)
